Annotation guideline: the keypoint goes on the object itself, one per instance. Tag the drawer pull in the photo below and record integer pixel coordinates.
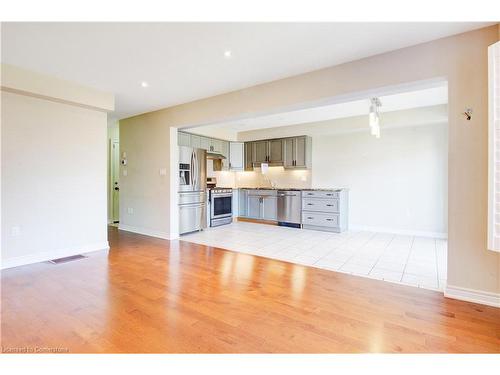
(310, 194)
(310, 218)
(310, 204)
(329, 219)
(329, 205)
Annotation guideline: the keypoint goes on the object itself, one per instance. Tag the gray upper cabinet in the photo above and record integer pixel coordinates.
(215, 145)
(260, 153)
(204, 143)
(297, 151)
(236, 156)
(275, 151)
(292, 153)
(248, 156)
(184, 139)
(289, 152)
(195, 141)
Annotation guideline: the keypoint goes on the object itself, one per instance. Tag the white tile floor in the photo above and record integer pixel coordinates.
(416, 261)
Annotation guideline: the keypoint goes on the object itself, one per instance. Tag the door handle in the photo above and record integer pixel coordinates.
(117, 188)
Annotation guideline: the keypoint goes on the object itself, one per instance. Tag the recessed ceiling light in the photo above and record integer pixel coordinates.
(144, 84)
(227, 54)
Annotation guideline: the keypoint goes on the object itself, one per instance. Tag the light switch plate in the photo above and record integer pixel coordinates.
(125, 173)
(163, 171)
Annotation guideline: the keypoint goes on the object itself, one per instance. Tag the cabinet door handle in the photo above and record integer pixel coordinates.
(329, 205)
(310, 218)
(329, 219)
(310, 204)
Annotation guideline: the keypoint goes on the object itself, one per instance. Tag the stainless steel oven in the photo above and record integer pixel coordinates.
(221, 206)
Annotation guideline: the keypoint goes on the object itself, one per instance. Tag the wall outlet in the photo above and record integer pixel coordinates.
(130, 210)
(15, 231)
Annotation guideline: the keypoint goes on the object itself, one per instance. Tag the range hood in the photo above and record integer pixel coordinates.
(215, 156)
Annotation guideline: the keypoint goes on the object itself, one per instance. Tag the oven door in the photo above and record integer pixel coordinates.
(221, 206)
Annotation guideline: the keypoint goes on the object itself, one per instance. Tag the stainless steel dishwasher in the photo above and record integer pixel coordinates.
(290, 208)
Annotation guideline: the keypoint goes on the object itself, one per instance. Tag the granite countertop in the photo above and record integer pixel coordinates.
(289, 188)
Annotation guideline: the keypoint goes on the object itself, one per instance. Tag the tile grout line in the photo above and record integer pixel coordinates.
(407, 259)
(380, 256)
(364, 244)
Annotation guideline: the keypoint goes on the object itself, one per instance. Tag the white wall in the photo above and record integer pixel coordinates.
(53, 179)
(397, 183)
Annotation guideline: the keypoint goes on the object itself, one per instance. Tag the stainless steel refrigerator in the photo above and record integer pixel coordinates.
(192, 189)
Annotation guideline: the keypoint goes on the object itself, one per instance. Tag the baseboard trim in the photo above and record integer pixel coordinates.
(418, 233)
(147, 232)
(48, 255)
(472, 295)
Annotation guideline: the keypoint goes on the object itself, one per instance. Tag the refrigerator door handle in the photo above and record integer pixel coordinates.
(196, 169)
(191, 177)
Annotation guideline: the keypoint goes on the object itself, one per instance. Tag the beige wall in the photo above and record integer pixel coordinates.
(53, 172)
(462, 60)
(53, 180)
(145, 140)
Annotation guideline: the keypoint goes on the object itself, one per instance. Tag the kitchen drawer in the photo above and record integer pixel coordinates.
(322, 205)
(325, 194)
(320, 219)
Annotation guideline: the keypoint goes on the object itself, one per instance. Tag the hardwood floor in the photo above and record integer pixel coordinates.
(152, 295)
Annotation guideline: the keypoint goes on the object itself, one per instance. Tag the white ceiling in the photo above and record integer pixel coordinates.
(397, 102)
(185, 61)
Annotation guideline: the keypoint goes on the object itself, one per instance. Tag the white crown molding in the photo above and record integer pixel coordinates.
(148, 232)
(472, 295)
(48, 255)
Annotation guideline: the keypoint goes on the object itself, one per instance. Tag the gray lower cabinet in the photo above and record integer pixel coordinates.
(270, 208)
(254, 206)
(325, 210)
(243, 202)
(258, 204)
